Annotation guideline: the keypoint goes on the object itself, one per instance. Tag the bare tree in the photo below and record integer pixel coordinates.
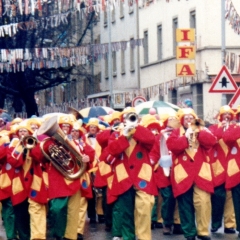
(22, 85)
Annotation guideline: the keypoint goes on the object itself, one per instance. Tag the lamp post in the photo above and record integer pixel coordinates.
(110, 56)
(224, 97)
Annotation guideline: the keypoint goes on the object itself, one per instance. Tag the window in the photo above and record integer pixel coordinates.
(131, 6)
(121, 9)
(106, 67)
(105, 18)
(175, 26)
(145, 42)
(132, 68)
(193, 19)
(97, 40)
(122, 61)
(114, 61)
(113, 14)
(159, 40)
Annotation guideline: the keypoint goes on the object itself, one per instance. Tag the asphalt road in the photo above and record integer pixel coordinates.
(97, 232)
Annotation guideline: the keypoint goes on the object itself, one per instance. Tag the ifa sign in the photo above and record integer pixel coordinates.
(185, 52)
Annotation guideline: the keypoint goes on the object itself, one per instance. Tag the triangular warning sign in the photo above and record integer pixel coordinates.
(223, 83)
(235, 101)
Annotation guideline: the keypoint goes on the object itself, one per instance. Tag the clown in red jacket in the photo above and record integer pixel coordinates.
(191, 174)
(133, 183)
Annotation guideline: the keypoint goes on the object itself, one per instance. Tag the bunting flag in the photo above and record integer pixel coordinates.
(14, 60)
(27, 7)
(232, 16)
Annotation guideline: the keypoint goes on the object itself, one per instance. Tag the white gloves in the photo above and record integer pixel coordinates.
(188, 132)
(126, 131)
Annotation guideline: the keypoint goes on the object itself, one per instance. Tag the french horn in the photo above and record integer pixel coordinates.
(62, 154)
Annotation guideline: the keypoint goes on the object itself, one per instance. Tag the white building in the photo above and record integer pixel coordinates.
(158, 23)
(151, 71)
(124, 63)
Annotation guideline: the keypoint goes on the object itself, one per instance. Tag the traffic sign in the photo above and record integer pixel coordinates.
(235, 101)
(224, 82)
(138, 100)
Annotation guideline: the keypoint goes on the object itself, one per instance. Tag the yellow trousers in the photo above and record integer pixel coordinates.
(72, 216)
(99, 209)
(82, 215)
(38, 220)
(142, 215)
(159, 207)
(202, 205)
(176, 217)
(229, 214)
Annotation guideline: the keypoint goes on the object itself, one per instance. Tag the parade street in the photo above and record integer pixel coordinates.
(97, 232)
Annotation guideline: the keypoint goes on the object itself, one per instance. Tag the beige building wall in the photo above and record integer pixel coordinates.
(123, 28)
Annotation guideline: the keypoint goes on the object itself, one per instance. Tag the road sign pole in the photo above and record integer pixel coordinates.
(224, 96)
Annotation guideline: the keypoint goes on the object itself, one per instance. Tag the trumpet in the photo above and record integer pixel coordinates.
(227, 124)
(131, 119)
(27, 142)
(196, 126)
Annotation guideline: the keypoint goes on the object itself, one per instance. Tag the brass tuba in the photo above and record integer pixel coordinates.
(62, 154)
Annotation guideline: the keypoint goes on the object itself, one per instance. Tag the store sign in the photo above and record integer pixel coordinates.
(185, 35)
(186, 70)
(186, 52)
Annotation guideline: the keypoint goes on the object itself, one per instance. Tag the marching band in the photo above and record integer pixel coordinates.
(133, 173)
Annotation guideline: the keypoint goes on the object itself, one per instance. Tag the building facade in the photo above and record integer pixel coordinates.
(158, 24)
(119, 75)
(154, 73)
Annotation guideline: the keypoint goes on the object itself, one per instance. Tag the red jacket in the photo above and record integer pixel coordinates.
(160, 179)
(218, 156)
(232, 139)
(131, 163)
(7, 172)
(190, 167)
(28, 179)
(58, 185)
(85, 182)
(104, 170)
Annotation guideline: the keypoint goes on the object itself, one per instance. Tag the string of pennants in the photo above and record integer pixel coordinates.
(42, 23)
(232, 16)
(15, 60)
(83, 7)
(11, 8)
(32, 7)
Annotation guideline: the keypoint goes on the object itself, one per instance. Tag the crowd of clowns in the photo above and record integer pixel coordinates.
(167, 171)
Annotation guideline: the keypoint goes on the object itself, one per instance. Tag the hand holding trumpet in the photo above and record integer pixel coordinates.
(131, 121)
(225, 124)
